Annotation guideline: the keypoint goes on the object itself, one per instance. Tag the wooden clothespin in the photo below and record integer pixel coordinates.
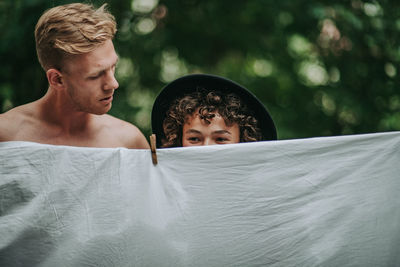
(153, 149)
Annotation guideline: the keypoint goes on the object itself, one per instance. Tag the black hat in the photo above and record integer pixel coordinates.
(190, 83)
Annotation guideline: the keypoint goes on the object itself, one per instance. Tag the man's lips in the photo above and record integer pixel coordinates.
(107, 100)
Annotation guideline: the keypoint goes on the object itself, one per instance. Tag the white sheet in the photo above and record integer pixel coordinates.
(313, 202)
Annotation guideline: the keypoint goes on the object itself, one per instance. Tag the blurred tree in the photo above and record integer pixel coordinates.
(321, 68)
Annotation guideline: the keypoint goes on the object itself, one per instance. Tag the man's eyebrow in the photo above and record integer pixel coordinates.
(101, 70)
(96, 72)
(222, 132)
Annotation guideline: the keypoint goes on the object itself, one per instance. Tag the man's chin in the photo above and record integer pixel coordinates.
(99, 111)
(102, 112)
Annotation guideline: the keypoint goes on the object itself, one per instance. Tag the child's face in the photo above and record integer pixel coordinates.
(197, 132)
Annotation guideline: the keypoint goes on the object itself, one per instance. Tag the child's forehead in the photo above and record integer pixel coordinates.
(207, 119)
(210, 118)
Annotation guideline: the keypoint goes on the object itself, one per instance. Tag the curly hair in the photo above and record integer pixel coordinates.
(207, 103)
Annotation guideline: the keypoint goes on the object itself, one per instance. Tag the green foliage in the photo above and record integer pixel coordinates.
(321, 68)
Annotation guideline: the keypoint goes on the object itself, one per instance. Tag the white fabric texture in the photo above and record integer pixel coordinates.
(331, 201)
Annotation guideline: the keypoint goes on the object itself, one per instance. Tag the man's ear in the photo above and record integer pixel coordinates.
(55, 78)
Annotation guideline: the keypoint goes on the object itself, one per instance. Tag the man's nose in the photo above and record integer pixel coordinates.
(111, 81)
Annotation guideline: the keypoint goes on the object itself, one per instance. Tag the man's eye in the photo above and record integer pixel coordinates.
(221, 139)
(94, 77)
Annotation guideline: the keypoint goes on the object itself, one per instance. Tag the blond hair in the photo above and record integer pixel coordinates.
(71, 29)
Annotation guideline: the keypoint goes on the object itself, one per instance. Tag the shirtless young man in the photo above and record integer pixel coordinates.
(75, 48)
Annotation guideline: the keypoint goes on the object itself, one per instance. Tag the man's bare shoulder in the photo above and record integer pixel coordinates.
(126, 132)
(13, 121)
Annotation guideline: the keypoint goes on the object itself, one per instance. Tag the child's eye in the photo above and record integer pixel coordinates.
(194, 139)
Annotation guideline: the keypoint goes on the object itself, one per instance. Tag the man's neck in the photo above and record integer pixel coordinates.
(57, 110)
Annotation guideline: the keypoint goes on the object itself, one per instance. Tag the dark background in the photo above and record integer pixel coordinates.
(322, 68)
